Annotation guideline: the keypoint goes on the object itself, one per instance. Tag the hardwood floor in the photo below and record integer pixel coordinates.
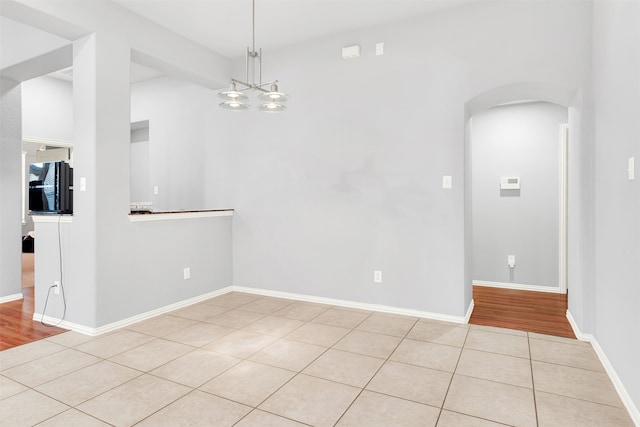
(541, 312)
(17, 326)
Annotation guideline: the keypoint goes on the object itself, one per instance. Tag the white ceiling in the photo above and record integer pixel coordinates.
(225, 25)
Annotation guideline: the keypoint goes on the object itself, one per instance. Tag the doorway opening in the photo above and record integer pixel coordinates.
(516, 209)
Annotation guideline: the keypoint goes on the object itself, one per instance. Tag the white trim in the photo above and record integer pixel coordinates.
(469, 311)
(633, 411)
(178, 215)
(564, 179)
(24, 187)
(87, 330)
(54, 218)
(351, 304)
(10, 298)
(519, 286)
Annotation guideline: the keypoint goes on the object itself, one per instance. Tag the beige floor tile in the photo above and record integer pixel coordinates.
(493, 401)
(492, 342)
(8, 387)
(560, 411)
(388, 324)
(368, 343)
(345, 367)
(495, 367)
(133, 401)
(318, 334)
(160, 326)
(439, 332)
(150, 355)
(73, 418)
(26, 353)
(302, 311)
(373, 410)
(427, 354)
(195, 368)
(267, 305)
(235, 318)
(453, 419)
(311, 400)
(28, 408)
(499, 330)
(287, 354)
(571, 341)
(70, 339)
(109, 345)
(199, 334)
(51, 367)
(199, 311)
(248, 382)
(575, 382)
(198, 409)
(560, 353)
(232, 299)
(422, 385)
(341, 318)
(259, 418)
(240, 344)
(87, 383)
(274, 326)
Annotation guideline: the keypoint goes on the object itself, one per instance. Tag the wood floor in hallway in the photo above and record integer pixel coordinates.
(531, 311)
(17, 326)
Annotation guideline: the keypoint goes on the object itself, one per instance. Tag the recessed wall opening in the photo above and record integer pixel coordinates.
(517, 188)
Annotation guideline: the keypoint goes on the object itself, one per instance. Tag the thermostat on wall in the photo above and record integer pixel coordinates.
(510, 183)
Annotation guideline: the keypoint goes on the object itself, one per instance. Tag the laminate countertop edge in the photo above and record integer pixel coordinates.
(175, 215)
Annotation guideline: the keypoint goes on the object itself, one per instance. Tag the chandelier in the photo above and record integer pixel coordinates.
(235, 99)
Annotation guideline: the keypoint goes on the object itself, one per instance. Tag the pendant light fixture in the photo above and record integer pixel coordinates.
(271, 100)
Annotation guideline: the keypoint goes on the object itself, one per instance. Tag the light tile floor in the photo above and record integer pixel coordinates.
(247, 360)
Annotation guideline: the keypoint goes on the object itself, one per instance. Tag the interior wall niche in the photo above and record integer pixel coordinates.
(139, 165)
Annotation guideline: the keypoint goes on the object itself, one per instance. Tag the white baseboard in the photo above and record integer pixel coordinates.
(10, 298)
(353, 304)
(634, 413)
(65, 324)
(519, 286)
(469, 311)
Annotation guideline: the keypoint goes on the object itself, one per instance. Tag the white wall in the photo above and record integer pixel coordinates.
(616, 67)
(47, 110)
(20, 42)
(349, 179)
(517, 140)
(10, 184)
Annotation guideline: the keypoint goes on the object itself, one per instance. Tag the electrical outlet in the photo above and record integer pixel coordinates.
(187, 273)
(56, 287)
(377, 276)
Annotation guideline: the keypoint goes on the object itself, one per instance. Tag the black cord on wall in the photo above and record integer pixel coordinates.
(64, 299)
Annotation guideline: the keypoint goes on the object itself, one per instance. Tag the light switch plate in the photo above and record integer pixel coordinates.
(631, 168)
(446, 182)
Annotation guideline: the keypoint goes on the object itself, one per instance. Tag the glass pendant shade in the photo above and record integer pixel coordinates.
(273, 95)
(272, 107)
(234, 106)
(233, 95)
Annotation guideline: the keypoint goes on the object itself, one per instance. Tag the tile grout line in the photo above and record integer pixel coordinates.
(377, 370)
(533, 381)
(453, 374)
(305, 367)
